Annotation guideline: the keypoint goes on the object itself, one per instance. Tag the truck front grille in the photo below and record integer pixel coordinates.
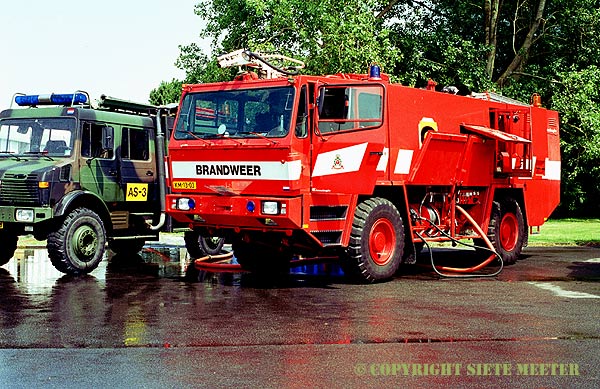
(322, 212)
(19, 189)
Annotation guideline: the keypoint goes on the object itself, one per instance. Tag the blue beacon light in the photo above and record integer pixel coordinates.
(374, 72)
(53, 99)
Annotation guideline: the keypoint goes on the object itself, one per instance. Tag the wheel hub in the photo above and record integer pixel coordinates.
(382, 241)
(509, 232)
(85, 242)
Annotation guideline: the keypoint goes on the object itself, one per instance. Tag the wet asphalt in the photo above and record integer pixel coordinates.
(155, 320)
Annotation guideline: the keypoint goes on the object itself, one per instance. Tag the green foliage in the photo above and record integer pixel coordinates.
(166, 93)
(331, 36)
(198, 67)
(577, 98)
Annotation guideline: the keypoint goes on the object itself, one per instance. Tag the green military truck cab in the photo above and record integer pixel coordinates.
(80, 177)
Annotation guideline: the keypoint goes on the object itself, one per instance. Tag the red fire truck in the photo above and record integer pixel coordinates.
(354, 166)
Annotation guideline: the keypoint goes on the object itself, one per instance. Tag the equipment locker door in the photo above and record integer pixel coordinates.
(349, 138)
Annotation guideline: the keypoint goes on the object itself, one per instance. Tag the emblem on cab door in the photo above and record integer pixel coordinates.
(337, 163)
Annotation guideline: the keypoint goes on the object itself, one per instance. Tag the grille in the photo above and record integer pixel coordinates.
(319, 212)
(19, 189)
(329, 238)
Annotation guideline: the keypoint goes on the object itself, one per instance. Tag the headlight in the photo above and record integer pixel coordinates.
(185, 204)
(24, 215)
(270, 208)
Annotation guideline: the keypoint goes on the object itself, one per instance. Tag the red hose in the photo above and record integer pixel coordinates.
(217, 262)
(485, 239)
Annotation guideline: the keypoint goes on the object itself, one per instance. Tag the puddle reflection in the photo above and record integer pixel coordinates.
(34, 274)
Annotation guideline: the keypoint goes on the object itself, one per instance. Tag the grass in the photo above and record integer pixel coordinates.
(561, 232)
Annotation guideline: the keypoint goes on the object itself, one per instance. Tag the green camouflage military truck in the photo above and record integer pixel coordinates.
(81, 177)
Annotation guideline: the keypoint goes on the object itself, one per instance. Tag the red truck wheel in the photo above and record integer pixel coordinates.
(506, 230)
(198, 245)
(376, 243)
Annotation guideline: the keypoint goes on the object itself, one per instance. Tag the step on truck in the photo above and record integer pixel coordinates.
(82, 177)
(357, 167)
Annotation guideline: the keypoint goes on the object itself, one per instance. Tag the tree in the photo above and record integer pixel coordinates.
(578, 101)
(166, 93)
(331, 36)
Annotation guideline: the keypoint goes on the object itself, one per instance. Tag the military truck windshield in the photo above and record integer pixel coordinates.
(236, 114)
(45, 137)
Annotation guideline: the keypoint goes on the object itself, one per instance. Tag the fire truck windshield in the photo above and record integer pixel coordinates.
(236, 113)
(52, 137)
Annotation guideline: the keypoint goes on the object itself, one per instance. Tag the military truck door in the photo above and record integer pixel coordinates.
(98, 170)
(138, 166)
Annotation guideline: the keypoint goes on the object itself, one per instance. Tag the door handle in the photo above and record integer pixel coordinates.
(376, 153)
(149, 173)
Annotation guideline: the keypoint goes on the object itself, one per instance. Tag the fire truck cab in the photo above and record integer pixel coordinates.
(354, 166)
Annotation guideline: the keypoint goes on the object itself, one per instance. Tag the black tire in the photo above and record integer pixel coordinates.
(126, 246)
(506, 230)
(9, 246)
(263, 260)
(77, 247)
(199, 246)
(376, 243)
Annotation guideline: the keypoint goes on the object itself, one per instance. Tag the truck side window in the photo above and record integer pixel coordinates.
(345, 108)
(91, 142)
(135, 144)
(302, 117)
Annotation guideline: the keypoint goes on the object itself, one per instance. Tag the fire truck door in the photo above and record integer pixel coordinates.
(348, 139)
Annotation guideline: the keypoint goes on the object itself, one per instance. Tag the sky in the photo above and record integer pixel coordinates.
(120, 48)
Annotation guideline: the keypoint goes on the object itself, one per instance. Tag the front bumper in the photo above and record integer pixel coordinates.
(237, 211)
(23, 215)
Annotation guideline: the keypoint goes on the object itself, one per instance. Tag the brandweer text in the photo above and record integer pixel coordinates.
(228, 170)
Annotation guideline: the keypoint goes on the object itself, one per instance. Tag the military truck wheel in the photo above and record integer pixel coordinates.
(199, 246)
(506, 230)
(376, 243)
(126, 246)
(77, 247)
(9, 245)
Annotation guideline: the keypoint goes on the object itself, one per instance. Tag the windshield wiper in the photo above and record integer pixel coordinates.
(10, 154)
(221, 136)
(40, 154)
(195, 136)
(262, 137)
